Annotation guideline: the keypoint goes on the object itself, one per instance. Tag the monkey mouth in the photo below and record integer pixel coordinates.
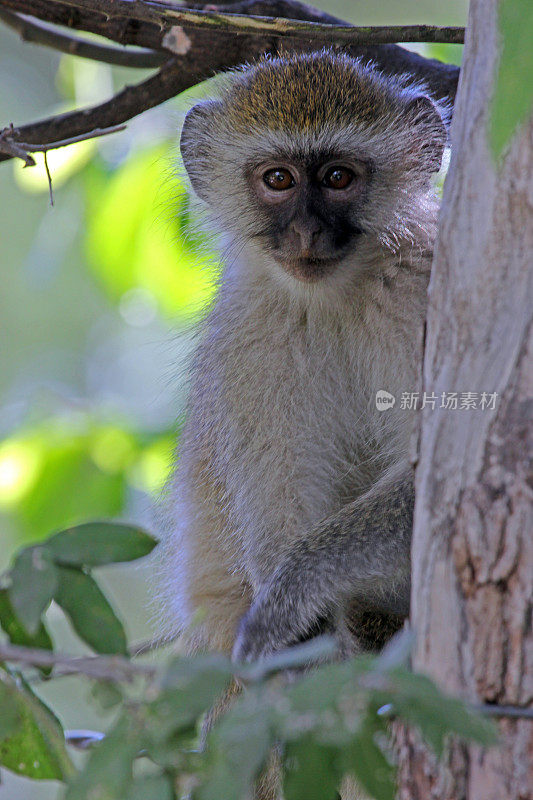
(311, 269)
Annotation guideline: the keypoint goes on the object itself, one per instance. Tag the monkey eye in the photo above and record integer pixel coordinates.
(279, 179)
(338, 178)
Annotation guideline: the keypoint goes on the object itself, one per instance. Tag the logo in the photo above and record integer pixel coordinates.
(384, 400)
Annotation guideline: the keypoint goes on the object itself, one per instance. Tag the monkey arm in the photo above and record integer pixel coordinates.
(362, 552)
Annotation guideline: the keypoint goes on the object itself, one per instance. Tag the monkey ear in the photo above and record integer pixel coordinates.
(196, 136)
(426, 113)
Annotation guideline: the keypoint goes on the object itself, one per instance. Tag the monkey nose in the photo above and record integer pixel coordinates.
(306, 232)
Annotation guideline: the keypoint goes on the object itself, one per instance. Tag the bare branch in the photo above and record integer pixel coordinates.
(166, 14)
(513, 712)
(318, 32)
(207, 52)
(125, 32)
(213, 51)
(42, 33)
(83, 739)
(18, 149)
(148, 646)
(115, 668)
(80, 124)
(94, 134)
(12, 149)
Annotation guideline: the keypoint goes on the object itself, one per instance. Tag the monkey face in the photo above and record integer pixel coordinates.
(312, 161)
(310, 208)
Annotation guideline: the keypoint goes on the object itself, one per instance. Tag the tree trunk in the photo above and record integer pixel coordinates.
(473, 537)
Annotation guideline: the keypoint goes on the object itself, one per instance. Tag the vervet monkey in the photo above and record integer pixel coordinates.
(292, 502)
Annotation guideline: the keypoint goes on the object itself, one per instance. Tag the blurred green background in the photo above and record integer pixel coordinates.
(99, 297)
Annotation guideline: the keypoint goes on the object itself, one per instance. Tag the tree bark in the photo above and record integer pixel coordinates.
(473, 544)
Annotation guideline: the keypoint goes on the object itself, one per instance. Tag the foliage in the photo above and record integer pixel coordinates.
(31, 738)
(449, 53)
(512, 101)
(142, 248)
(59, 569)
(328, 722)
(73, 467)
(140, 235)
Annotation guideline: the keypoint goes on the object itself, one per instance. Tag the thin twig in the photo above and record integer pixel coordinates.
(83, 739)
(118, 668)
(148, 646)
(45, 156)
(17, 149)
(13, 149)
(31, 30)
(94, 134)
(163, 14)
(514, 712)
(132, 100)
(115, 668)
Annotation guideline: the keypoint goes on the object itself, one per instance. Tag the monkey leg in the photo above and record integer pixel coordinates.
(351, 791)
(216, 631)
(222, 705)
(268, 785)
(205, 596)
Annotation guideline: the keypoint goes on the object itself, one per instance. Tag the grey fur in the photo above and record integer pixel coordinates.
(292, 500)
(359, 554)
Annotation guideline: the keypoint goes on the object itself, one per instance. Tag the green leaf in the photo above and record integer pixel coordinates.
(188, 690)
(365, 760)
(300, 655)
(512, 98)
(106, 694)
(91, 615)
(319, 691)
(108, 772)
(156, 787)
(190, 687)
(16, 632)
(311, 771)
(416, 699)
(96, 543)
(36, 747)
(327, 702)
(33, 583)
(238, 747)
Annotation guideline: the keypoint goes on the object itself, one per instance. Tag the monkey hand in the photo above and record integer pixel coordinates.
(258, 635)
(280, 616)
